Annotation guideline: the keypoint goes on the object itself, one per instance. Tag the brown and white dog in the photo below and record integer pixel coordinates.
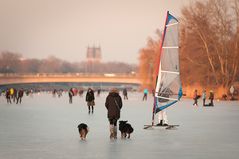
(83, 130)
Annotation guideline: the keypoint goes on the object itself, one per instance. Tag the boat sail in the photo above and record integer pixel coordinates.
(168, 89)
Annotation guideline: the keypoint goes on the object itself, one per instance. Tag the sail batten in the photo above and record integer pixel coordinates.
(170, 47)
(173, 99)
(171, 24)
(170, 72)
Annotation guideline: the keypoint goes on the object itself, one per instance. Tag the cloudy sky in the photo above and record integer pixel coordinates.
(64, 28)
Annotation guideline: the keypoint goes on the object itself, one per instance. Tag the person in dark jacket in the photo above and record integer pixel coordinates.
(14, 96)
(71, 94)
(211, 97)
(195, 97)
(125, 93)
(8, 96)
(90, 99)
(113, 104)
(204, 97)
(19, 96)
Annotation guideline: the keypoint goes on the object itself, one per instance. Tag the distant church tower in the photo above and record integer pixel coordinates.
(93, 54)
(93, 58)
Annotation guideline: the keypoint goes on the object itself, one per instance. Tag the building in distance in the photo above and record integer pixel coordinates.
(93, 54)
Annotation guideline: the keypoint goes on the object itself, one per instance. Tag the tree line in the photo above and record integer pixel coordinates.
(209, 47)
(14, 63)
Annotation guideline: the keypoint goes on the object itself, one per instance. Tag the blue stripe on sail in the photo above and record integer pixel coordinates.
(158, 109)
(170, 17)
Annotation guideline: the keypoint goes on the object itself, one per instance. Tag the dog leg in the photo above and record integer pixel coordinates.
(80, 132)
(125, 135)
(84, 134)
(128, 136)
(81, 137)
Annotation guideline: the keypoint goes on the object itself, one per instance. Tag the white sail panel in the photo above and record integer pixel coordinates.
(168, 87)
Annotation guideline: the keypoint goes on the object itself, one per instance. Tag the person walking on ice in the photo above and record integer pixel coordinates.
(90, 99)
(145, 94)
(113, 105)
(211, 97)
(71, 94)
(204, 96)
(125, 93)
(20, 95)
(195, 97)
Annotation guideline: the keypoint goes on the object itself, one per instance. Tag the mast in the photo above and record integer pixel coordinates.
(157, 71)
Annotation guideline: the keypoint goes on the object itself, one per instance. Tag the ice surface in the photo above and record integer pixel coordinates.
(43, 127)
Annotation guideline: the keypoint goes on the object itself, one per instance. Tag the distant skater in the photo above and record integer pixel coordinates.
(19, 96)
(11, 93)
(125, 93)
(204, 96)
(145, 94)
(90, 99)
(195, 97)
(211, 97)
(71, 94)
(14, 95)
(54, 93)
(81, 91)
(232, 90)
(8, 96)
(113, 105)
(98, 92)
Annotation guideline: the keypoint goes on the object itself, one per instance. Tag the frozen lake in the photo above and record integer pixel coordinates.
(43, 127)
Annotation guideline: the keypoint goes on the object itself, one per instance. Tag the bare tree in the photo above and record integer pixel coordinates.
(13, 63)
(9, 62)
(208, 37)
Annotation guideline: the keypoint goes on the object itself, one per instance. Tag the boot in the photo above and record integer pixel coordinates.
(160, 123)
(111, 131)
(165, 124)
(115, 132)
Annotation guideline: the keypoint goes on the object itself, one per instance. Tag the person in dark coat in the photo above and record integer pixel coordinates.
(98, 92)
(14, 96)
(19, 96)
(211, 97)
(8, 96)
(125, 93)
(71, 94)
(195, 97)
(113, 104)
(204, 96)
(90, 99)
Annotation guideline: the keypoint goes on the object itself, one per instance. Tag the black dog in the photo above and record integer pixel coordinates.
(83, 130)
(125, 128)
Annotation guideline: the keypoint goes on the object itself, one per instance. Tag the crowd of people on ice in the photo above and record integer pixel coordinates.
(113, 101)
(13, 95)
(196, 96)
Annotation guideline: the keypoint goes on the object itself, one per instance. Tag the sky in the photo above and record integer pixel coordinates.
(65, 28)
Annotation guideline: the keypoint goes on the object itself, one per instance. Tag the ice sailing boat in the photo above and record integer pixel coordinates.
(168, 89)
